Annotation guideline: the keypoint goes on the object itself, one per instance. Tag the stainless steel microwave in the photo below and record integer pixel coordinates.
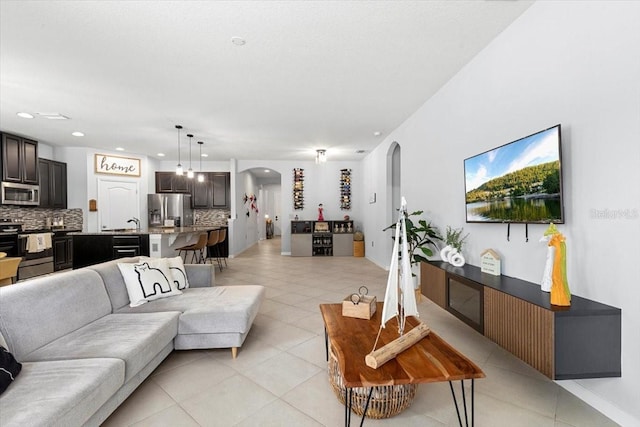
(20, 194)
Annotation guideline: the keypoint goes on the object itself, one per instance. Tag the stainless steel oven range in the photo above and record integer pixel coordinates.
(34, 246)
(36, 249)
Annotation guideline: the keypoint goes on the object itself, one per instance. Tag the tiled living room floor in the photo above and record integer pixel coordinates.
(280, 375)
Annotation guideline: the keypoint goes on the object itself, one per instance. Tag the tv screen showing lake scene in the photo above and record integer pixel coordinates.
(518, 182)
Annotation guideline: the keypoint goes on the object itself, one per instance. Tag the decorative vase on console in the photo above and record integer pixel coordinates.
(452, 252)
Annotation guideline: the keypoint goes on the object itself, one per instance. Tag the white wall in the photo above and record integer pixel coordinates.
(574, 63)
(82, 181)
(321, 185)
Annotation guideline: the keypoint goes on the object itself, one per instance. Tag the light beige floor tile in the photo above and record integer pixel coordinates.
(194, 378)
(278, 414)
(316, 399)
(230, 402)
(288, 314)
(493, 412)
(171, 417)
(313, 351)
(575, 412)
(291, 298)
(285, 336)
(148, 399)
(287, 341)
(520, 390)
(253, 352)
(179, 358)
(435, 401)
(282, 373)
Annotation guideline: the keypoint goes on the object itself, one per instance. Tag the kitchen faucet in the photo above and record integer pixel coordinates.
(136, 221)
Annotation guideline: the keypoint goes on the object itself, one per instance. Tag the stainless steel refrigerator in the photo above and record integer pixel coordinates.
(164, 208)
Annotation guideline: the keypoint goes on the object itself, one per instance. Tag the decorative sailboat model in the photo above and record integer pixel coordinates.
(399, 300)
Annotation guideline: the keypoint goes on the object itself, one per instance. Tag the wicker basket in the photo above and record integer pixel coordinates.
(386, 401)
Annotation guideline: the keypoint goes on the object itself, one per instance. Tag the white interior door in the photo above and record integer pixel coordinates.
(118, 202)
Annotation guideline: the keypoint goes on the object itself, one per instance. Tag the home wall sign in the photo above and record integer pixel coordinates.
(116, 165)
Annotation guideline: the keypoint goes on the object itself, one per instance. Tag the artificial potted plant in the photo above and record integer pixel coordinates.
(452, 252)
(421, 238)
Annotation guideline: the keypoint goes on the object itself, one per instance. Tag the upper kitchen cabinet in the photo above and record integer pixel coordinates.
(212, 193)
(53, 184)
(221, 186)
(19, 159)
(169, 182)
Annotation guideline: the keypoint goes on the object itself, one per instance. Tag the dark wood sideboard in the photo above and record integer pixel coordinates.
(580, 341)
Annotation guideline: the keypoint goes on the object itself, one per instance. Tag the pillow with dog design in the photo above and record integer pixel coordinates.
(148, 280)
(176, 266)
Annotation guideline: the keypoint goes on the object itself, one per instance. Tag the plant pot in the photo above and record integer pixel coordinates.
(444, 253)
(456, 258)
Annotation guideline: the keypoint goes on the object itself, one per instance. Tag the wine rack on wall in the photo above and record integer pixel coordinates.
(298, 189)
(345, 189)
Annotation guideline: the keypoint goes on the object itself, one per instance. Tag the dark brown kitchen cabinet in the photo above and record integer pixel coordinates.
(169, 182)
(201, 194)
(19, 159)
(91, 249)
(62, 251)
(212, 193)
(53, 184)
(220, 182)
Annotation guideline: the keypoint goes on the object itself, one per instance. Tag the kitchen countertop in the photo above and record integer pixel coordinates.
(152, 230)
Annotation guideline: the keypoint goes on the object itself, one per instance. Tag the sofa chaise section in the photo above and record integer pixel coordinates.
(211, 316)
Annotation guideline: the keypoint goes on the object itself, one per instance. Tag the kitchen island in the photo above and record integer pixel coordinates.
(93, 248)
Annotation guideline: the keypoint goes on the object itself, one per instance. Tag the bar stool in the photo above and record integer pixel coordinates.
(214, 236)
(197, 249)
(9, 269)
(223, 235)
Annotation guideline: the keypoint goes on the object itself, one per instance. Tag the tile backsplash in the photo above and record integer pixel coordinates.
(215, 217)
(35, 218)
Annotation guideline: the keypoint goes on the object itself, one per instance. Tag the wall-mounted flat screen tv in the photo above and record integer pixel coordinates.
(517, 182)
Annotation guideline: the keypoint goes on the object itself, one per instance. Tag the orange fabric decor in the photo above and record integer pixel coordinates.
(560, 294)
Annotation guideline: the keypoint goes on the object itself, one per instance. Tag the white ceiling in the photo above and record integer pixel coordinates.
(312, 74)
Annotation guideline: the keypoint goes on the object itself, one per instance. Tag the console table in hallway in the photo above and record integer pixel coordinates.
(429, 360)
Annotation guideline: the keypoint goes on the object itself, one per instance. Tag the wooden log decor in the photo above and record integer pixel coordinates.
(379, 357)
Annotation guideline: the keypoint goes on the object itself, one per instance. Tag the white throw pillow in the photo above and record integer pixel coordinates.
(178, 272)
(147, 280)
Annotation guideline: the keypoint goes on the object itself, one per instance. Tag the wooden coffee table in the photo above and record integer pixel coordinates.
(429, 360)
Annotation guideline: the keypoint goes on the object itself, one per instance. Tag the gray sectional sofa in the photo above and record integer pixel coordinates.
(84, 350)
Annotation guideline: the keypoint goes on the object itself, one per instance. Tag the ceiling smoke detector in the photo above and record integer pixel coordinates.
(238, 41)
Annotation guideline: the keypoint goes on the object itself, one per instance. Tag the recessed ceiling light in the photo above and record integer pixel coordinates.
(205, 155)
(25, 115)
(119, 149)
(267, 171)
(77, 133)
(53, 116)
(160, 154)
(238, 41)
(377, 133)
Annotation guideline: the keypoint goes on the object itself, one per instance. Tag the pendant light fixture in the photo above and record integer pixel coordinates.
(179, 170)
(200, 175)
(190, 171)
(321, 156)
